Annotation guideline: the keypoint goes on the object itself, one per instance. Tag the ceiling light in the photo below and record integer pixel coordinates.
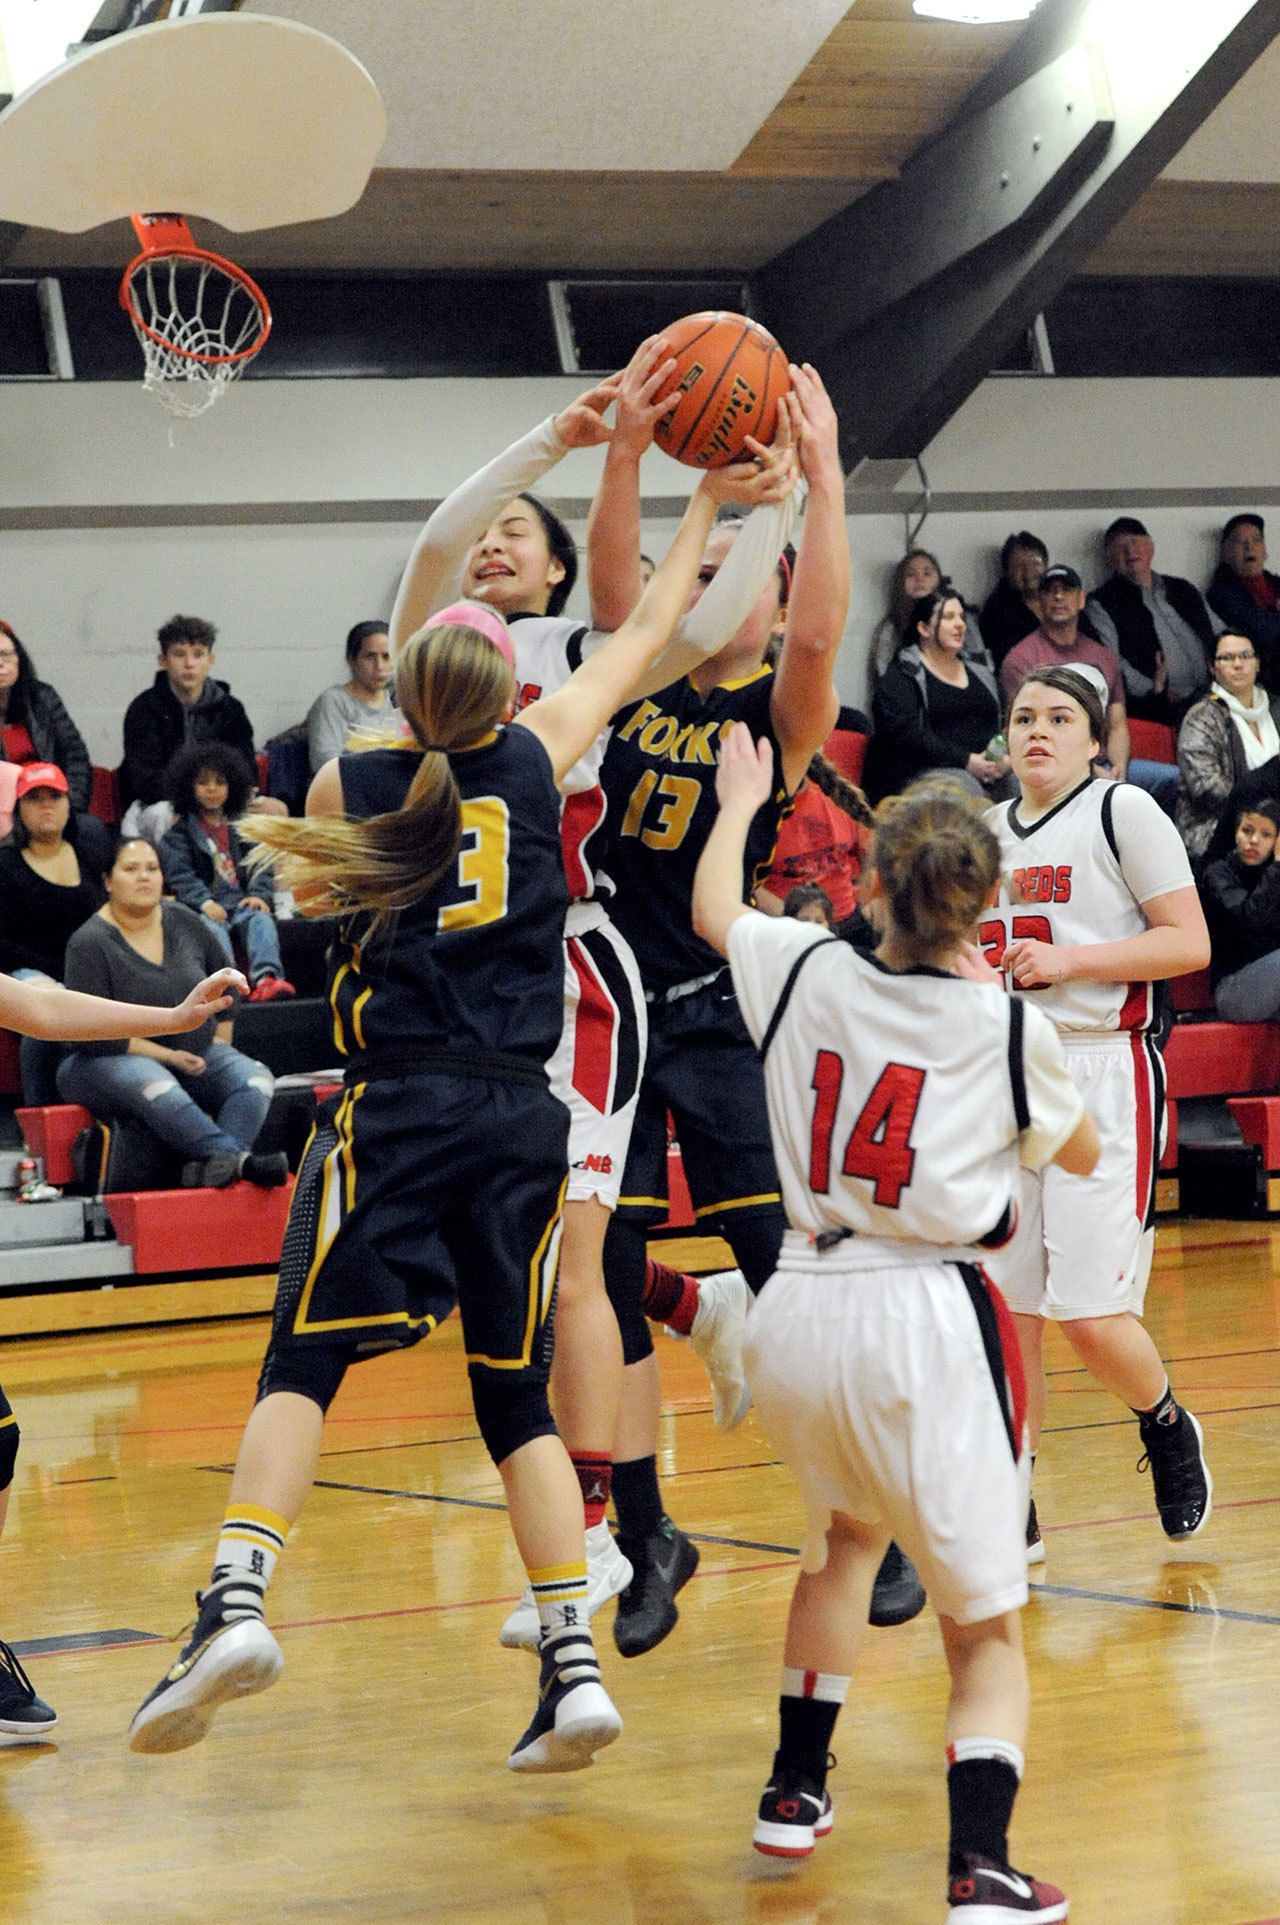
(976, 13)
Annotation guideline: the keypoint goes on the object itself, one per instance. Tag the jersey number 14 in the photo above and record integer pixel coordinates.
(879, 1149)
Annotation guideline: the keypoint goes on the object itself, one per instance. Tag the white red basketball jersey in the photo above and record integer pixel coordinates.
(1077, 875)
(548, 649)
(900, 1104)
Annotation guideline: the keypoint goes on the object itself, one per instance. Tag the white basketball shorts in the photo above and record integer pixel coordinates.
(890, 1403)
(1083, 1244)
(596, 1067)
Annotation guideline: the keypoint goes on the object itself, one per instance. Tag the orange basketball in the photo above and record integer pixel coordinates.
(731, 374)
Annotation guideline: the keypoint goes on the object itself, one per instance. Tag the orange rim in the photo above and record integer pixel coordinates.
(160, 257)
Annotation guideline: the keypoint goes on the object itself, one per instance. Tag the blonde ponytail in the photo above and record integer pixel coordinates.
(453, 688)
(939, 864)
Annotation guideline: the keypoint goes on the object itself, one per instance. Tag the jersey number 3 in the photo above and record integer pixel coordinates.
(879, 1148)
(483, 866)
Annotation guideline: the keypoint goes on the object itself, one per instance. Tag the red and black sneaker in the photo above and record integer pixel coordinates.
(984, 1892)
(794, 1811)
(267, 988)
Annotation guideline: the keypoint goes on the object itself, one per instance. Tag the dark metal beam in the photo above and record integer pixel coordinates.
(907, 299)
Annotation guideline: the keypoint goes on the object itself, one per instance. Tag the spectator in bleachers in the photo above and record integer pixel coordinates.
(51, 869)
(1222, 737)
(34, 724)
(809, 902)
(1160, 626)
(206, 864)
(199, 1095)
(362, 705)
(1241, 896)
(918, 573)
(1012, 609)
(824, 841)
(185, 705)
(1246, 595)
(935, 709)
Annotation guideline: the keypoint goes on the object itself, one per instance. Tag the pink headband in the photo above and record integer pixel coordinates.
(484, 620)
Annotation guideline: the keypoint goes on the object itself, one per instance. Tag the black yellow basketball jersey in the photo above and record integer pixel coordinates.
(659, 777)
(476, 965)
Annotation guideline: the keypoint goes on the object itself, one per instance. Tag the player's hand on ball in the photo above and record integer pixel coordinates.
(765, 475)
(744, 777)
(1035, 965)
(582, 423)
(638, 412)
(814, 424)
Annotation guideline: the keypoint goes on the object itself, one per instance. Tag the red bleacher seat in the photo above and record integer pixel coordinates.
(1258, 1118)
(104, 797)
(1152, 741)
(1222, 1059)
(49, 1132)
(192, 1230)
(1192, 994)
(846, 750)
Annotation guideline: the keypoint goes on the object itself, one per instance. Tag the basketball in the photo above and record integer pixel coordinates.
(731, 374)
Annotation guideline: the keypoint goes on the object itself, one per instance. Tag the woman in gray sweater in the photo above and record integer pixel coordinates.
(195, 1092)
(362, 704)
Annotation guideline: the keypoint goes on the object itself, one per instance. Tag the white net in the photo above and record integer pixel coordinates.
(198, 327)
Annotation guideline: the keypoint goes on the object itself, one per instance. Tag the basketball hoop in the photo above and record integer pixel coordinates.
(198, 317)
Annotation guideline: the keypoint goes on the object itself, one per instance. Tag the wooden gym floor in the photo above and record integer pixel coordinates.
(370, 1784)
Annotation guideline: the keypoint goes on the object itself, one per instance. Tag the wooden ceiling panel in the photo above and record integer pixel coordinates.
(469, 223)
(882, 83)
(1196, 227)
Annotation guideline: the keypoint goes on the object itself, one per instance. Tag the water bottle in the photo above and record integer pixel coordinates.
(997, 748)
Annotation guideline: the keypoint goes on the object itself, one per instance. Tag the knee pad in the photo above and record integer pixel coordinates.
(625, 1253)
(756, 1241)
(509, 1414)
(10, 1436)
(308, 1370)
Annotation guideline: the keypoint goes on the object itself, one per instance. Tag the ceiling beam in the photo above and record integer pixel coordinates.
(906, 300)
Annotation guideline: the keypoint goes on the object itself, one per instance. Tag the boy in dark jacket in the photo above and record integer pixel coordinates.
(1241, 896)
(205, 867)
(184, 706)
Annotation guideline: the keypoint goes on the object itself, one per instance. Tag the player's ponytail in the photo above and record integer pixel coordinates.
(837, 788)
(939, 863)
(453, 686)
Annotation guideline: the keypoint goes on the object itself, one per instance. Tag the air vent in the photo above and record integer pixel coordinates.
(33, 332)
(599, 324)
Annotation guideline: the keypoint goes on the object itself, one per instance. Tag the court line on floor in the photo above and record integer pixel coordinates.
(122, 1640)
(1122, 1423)
(1155, 1604)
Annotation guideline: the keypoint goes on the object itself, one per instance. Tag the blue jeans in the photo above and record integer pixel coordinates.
(1159, 779)
(1251, 994)
(257, 930)
(199, 1116)
(38, 1058)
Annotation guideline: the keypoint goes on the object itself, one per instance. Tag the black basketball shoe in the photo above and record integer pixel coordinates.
(1035, 1543)
(794, 1812)
(897, 1595)
(22, 1714)
(575, 1717)
(984, 1892)
(226, 1657)
(1184, 1489)
(661, 1565)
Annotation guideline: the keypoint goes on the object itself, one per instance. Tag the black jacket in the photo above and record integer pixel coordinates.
(1229, 598)
(904, 743)
(55, 738)
(1242, 909)
(38, 918)
(1140, 641)
(156, 726)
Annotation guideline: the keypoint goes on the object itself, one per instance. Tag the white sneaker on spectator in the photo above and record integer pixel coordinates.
(608, 1575)
(718, 1325)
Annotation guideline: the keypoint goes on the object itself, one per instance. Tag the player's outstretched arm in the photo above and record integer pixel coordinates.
(59, 1015)
(567, 722)
(744, 783)
(613, 526)
(805, 704)
(435, 565)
